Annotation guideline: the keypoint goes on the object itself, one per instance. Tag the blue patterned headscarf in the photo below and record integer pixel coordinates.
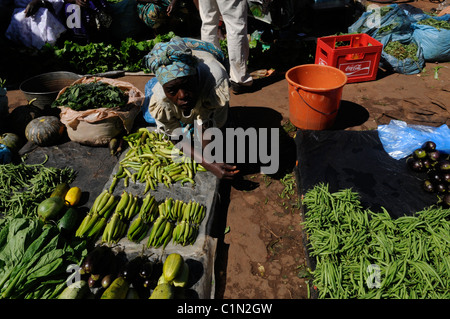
(174, 59)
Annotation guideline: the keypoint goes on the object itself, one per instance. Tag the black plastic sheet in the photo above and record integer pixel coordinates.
(357, 160)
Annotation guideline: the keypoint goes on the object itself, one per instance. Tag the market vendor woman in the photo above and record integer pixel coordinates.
(190, 89)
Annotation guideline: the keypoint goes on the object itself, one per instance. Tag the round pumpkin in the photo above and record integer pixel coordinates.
(44, 130)
(19, 118)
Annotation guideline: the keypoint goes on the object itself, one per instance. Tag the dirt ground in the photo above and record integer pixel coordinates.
(261, 251)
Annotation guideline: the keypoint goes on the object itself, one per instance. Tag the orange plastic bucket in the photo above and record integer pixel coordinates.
(315, 93)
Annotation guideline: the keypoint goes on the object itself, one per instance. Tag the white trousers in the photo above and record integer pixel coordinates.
(234, 15)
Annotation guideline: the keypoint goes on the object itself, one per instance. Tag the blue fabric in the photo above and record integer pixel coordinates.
(5, 154)
(174, 59)
(435, 42)
(148, 94)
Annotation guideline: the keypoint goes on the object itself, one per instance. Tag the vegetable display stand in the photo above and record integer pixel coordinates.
(201, 252)
(315, 93)
(357, 55)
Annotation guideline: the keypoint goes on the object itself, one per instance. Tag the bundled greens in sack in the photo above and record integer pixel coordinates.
(433, 35)
(95, 109)
(382, 21)
(401, 54)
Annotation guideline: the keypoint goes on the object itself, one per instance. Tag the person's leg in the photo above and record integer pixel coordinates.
(209, 14)
(234, 15)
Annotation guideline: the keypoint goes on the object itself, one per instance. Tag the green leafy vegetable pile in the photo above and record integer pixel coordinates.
(438, 24)
(402, 51)
(365, 254)
(34, 259)
(24, 186)
(84, 96)
(99, 57)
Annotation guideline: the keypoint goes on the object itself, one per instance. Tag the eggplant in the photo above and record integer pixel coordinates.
(416, 165)
(419, 153)
(428, 186)
(93, 259)
(107, 280)
(434, 176)
(146, 270)
(446, 177)
(444, 166)
(93, 281)
(429, 146)
(132, 268)
(434, 155)
(441, 188)
(427, 164)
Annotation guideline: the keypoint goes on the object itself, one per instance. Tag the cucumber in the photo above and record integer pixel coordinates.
(69, 221)
(77, 290)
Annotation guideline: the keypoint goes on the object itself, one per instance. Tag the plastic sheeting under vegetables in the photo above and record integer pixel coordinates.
(357, 160)
(400, 139)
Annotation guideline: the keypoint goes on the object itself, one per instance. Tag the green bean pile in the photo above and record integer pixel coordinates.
(412, 253)
(24, 186)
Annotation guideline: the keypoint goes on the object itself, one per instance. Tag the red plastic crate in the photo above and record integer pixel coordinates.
(357, 55)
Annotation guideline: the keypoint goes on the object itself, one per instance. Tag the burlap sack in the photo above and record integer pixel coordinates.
(98, 126)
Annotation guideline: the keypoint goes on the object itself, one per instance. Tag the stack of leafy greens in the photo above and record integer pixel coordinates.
(98, 57)
(34, 259)
(85, 96)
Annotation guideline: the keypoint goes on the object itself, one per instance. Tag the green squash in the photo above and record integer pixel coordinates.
(44, 130)
(163, 291)
(50, 208)
(172, 266)
(69, 221)
(11, 141)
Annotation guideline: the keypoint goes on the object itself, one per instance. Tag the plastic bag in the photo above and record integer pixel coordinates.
(400, 139)
(382, 21)
(435, 43)
(406, 66)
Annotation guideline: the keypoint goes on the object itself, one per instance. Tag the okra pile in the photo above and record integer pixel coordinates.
(364, 254)
(153, 159)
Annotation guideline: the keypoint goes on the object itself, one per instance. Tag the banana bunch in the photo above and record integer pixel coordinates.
(94, 222)
(153, 159)
(141, 225)
(177, 220)
(127, 207)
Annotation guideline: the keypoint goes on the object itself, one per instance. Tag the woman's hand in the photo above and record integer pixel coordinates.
(82, 3)
(221, 170)
(172, 6)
